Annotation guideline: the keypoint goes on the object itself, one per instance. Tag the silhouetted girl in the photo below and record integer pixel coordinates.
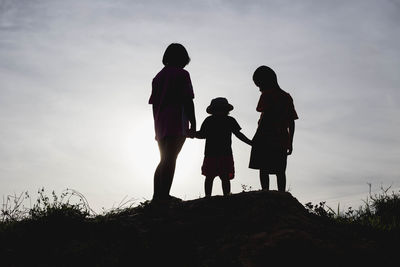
(173, 109)
(273, 141)
(217, 129)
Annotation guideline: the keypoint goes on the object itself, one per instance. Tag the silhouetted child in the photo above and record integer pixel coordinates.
(273, 141)
(217, 129)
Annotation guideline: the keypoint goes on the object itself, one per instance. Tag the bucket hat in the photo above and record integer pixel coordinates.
(219, 104)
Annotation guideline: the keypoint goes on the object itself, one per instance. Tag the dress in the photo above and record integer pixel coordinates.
(171, 87)
(271, 140)
(218, 158)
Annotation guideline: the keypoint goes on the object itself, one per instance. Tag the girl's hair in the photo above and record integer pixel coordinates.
(176, 55)
(265, 76)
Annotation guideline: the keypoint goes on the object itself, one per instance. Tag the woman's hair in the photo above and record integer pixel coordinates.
(176, 55)
(265, 76)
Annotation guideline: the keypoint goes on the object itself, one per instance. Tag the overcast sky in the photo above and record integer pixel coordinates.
(75, 78)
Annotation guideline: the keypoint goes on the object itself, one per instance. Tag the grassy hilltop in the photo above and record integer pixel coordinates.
(245, 229)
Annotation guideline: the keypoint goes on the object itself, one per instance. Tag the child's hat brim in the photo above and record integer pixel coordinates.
(219, 104)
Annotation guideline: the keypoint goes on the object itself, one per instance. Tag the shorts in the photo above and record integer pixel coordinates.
(218, 166)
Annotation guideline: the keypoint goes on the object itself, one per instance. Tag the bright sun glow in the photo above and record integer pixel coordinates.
(140, 154)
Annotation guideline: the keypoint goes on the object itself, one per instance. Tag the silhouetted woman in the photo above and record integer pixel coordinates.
(173, 109)
(273, 141)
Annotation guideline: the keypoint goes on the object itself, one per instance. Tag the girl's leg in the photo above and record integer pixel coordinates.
(157, 182)
(264, 180)
(172, 148)
(226, 185)
(157, 173)
(281, 177)
(208, 184)
(169, 150)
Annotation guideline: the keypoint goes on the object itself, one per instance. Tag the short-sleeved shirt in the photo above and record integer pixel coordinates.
(271, 141)
(171, 87)
(277, 111)
(217, 130)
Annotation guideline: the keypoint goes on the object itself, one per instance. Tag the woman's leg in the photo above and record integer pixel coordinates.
(264, 180)
(208, 184)
(226, 184)
(169, 150)
(281, 177)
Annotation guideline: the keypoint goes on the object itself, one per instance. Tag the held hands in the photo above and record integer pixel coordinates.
(243, 138)
(191, 133)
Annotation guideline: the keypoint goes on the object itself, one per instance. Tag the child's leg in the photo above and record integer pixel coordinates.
(281, 177)
(264, 179)
(208, 184)
(226, 184)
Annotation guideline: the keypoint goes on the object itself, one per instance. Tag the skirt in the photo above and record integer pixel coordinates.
(218, 166)
(268, 155)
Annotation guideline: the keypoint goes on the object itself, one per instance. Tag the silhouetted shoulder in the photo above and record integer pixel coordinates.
(208, 118)
(172, 71)
(289, 100)
(232, 119)
(185, 72)
(171, 84)
(185, 77)
(227, 123)
(184, 81)
(160, 73)
(234, 124)
(286, 94)
(205, 123)
(178, 71)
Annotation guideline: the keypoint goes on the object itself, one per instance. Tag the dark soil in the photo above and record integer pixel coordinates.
(247, 229)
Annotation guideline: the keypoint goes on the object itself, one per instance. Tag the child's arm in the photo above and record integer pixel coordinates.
(199, 134)
(242, 137)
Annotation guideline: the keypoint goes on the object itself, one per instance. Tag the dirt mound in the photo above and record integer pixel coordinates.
(246, 229)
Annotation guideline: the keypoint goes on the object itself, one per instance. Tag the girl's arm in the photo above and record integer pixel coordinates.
(291, 134)
(242, 137)
(189, 111)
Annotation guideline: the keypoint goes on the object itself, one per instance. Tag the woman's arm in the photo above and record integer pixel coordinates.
(190, 113)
